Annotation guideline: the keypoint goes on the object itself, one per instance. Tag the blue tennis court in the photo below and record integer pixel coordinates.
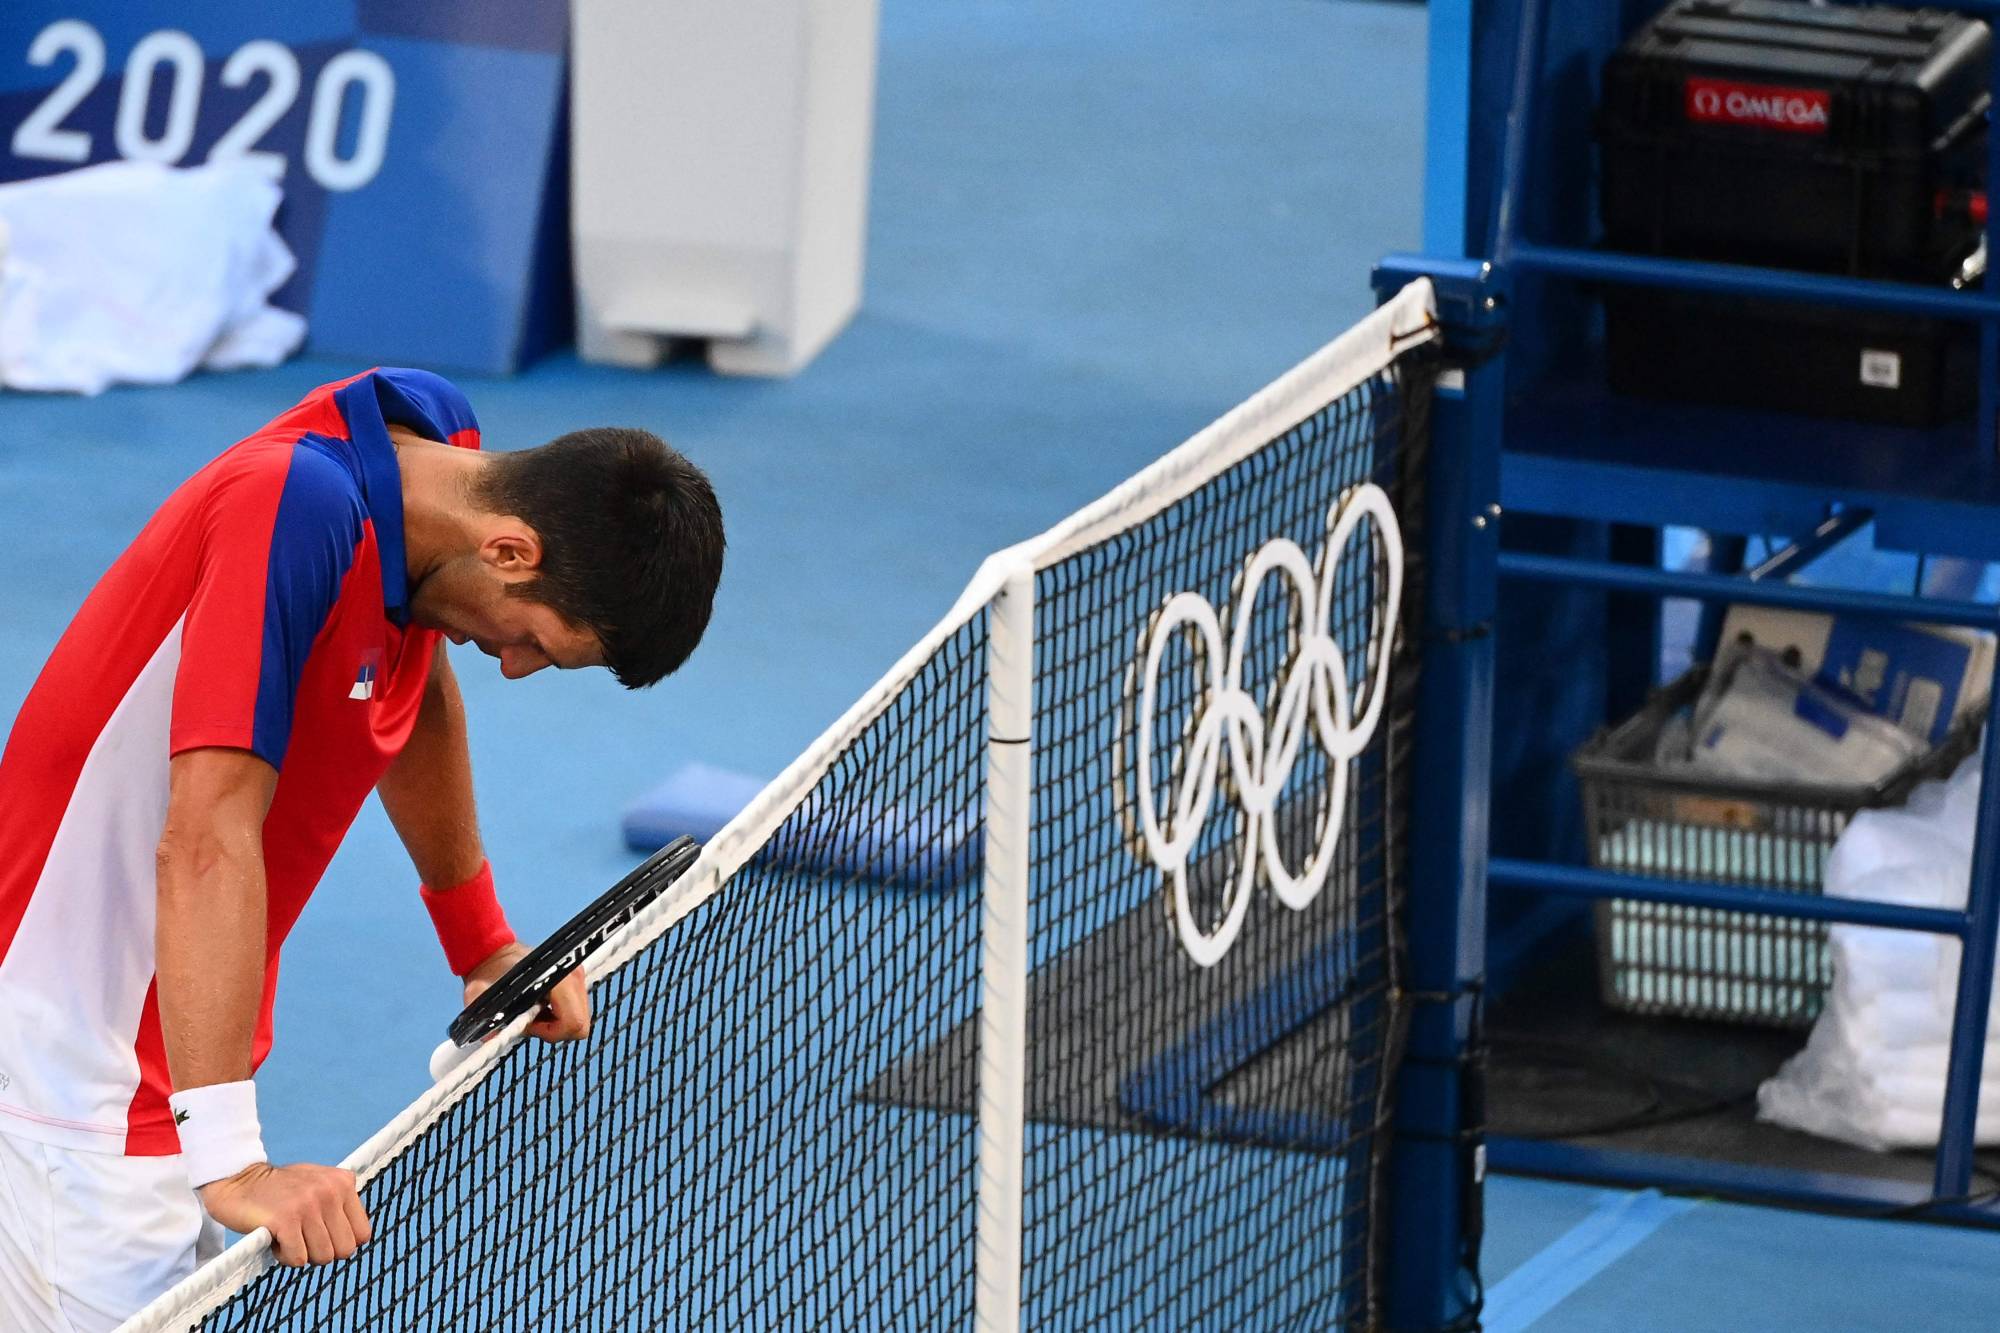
(1094, 229)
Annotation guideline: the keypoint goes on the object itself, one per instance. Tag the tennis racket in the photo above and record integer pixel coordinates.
(527, 984)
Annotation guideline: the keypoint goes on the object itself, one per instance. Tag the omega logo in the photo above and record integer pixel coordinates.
(1718, 101)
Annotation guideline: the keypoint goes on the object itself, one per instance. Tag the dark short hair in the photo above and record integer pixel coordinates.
(631, 540)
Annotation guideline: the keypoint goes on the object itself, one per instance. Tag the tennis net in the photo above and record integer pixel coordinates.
(1094, 1018)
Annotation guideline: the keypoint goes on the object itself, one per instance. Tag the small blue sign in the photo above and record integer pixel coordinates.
(1901, 672)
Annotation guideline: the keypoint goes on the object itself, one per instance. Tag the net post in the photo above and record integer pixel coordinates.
(1003, 949)
(1437, 1161)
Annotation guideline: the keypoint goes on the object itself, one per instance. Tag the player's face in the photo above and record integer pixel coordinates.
(524, 635)
(467, 600)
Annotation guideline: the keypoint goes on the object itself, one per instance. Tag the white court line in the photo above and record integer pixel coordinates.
(1612, 1230)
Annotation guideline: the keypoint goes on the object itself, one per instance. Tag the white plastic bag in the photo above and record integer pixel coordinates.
(1873, 1071)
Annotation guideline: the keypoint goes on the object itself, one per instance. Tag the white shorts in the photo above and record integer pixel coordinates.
(88, 1238)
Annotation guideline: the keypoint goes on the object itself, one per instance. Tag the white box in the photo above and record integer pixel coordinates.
(720, 176)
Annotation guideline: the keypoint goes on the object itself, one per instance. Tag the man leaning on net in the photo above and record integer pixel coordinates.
(261, 657)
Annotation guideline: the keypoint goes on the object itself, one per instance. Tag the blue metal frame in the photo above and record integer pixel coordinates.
(1577, 450)
(1976, 926)
(1952, 504)
(1784, 1186)
(1428, 1285)
(1448, 72)
(1745, 589)
(1579, 882)
(1736, 280)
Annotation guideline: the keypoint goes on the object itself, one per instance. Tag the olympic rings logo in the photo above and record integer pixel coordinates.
(1312, 693)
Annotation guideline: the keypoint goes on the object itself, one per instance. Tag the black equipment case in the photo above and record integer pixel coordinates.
(1832, 139)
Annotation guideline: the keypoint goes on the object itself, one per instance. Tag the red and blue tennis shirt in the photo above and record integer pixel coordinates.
(264, 608)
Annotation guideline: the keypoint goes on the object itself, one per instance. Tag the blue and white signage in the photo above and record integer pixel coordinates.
(417, 143)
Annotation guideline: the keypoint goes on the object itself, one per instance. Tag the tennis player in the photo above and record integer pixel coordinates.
(263, 656)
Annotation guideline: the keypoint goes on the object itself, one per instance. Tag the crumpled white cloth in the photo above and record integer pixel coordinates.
(135, 272)
(1873, 1071)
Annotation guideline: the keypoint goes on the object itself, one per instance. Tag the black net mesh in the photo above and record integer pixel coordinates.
(774, 1124)
(1246, 1099)
(704, 1160)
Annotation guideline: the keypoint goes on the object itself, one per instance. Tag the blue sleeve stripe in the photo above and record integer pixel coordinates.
(426, 403)
(318, 528)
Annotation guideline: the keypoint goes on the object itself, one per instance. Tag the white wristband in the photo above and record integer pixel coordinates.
(219, 1130)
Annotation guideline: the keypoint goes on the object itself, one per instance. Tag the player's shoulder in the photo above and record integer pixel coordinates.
(427, 402)
(423, 400)
(319, 483)
(424, 385)
(295, 482)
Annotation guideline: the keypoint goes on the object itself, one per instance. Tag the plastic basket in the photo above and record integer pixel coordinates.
(1695, 962)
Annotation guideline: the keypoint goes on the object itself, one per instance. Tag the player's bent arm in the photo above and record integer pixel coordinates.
(427, 792)
(210, 932)
(209, 944)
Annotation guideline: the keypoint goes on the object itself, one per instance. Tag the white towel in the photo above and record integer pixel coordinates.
(134, 272)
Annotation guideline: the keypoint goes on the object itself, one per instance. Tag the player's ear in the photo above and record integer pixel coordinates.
(511, 548)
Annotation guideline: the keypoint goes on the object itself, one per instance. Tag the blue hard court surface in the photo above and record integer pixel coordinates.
(1095, 228)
